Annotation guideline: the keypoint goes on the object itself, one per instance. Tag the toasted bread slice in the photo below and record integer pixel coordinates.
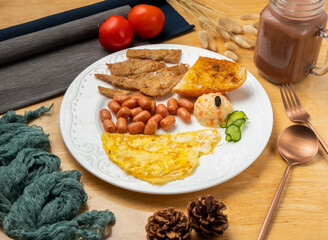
(211, 75)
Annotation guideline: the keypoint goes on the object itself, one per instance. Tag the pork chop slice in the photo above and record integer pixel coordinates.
(121, 81)
(167, 55)
(135, 66)
(111, 92)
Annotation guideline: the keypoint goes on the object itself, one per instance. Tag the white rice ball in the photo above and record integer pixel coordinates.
(208, 113)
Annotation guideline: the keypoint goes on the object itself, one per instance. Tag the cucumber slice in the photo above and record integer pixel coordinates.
(235, 121)
(232, 117)
(233, 133)
(239, 122)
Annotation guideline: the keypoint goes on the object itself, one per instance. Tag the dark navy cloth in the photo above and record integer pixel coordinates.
(175, 23)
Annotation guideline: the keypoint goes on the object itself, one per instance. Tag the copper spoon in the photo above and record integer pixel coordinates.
(297, 144)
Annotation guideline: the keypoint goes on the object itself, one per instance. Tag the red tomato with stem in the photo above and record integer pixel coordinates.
(115, 33)
(147, 20)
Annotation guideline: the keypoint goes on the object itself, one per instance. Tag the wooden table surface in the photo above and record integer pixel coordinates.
(302, 212)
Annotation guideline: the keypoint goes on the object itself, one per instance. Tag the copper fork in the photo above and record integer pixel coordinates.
(296, 112)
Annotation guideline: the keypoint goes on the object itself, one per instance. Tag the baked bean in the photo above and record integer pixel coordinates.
(105, 114)
(114, 106)
(124, 113)
(151, 127)
(167, 122)
(186, 104)
(142, 117)
(161, 109)
(136, 127)
(152, 109)
(121, 98)
(144, 102)
(130, 103)
(109, 126)
(157, 117)
(135, 111)
(172, 106)
(122, 125)
(184, 114)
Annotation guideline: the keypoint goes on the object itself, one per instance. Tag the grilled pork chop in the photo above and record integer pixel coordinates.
(110, 92)
(135, 66)
(154, 84)
(167, 55)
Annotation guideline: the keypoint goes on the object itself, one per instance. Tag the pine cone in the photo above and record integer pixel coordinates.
(207, 217)
(168, 224)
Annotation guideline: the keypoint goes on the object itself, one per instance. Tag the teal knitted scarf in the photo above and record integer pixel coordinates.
(36, 200)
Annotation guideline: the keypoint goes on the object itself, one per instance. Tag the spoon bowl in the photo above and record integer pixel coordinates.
(297, 144)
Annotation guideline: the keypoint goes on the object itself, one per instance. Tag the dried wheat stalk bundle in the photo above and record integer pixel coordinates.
(234, 33)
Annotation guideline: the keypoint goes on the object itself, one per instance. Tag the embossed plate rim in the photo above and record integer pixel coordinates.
(81, 129)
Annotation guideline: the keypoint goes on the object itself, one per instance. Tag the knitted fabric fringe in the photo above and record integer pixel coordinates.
(12, 117)
(37, 201)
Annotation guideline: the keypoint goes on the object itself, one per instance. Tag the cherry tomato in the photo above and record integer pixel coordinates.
(115, 33)
(147, 20)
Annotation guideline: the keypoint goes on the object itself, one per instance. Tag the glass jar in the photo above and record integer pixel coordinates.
(289, 39)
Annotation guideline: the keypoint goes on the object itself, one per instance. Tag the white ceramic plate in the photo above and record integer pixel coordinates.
(81, 129)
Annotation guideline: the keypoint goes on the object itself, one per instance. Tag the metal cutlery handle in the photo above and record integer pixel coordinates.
(274, 204)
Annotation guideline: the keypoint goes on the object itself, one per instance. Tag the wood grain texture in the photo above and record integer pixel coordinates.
(303, 207)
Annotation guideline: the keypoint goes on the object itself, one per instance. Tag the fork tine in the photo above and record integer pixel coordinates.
(284, 99)
(289, 99)
(296, 98)
(291, 95)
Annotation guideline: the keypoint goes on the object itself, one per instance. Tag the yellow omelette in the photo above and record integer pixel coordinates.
(159, 159)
